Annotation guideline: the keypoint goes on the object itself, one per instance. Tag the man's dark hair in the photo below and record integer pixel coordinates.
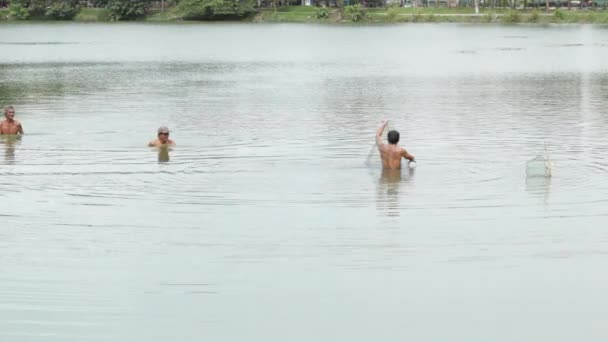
(393, 137)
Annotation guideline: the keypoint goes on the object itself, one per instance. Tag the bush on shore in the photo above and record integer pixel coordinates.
(63, 10)
(127, 10)
(215, 9)
(43, 9)
(18, 12)
(511, 17)
(354, 13)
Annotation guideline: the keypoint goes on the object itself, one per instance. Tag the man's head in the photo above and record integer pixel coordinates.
(163, 134)
(9, 112)
(393, 137)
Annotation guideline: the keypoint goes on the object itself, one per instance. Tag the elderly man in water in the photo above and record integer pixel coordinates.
(163, 139)
(391, 153)
(10, 125)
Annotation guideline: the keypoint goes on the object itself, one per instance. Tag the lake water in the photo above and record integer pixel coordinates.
(268, 222)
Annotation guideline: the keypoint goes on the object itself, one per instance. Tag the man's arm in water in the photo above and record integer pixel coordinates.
(19, 128)
(406, 155)
(379, 133)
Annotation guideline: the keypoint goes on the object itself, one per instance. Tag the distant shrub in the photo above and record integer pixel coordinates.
(417, 17)
(559, 14)
(392, 13)
(36, 8)
(489, 18)
(127, 10)
(354, 13)
(63, 10)
(372, 3)
(17, 11)
(511, 17)
(534, 17)
(591, 18)
(99, 3)
(322, 13)
(602, 19)
(215, 9)
(92, 14)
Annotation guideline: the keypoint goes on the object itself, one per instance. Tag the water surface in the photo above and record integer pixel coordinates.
(268, 221)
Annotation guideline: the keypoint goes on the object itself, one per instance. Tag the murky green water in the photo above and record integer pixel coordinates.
(266, 223)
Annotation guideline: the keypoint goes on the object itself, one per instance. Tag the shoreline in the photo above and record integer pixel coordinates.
(394, 15)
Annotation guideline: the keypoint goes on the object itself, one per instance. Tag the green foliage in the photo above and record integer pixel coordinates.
(63, 10)
(511, 17)
(559, 14)
(127, 10)
(489, 17)
(99, 3)
(603, 18)
(93, 14)
(322, 13)
(354, 13)
(215, 9)
(392, 13)
(534, 17)
(45, 9)
(36, 8)
(17, 11)
(375, 3)
(417, 17)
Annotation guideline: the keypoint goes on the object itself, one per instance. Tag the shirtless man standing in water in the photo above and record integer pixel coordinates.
(10, 125)
(163, 139)
(391, 153)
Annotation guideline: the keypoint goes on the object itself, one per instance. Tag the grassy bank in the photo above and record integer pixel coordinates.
(294, 14)
(456, 15)
(300, 14)
(93, 14)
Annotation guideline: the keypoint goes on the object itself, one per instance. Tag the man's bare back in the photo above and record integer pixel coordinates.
(391, 153)
(10, 125)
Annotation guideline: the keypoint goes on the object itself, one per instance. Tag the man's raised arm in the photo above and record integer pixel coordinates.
(379, 132)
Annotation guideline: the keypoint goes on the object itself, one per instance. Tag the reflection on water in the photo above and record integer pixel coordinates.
(10, 142)
(539, 187)
(163, 154)
(390, 187)
(268, 215)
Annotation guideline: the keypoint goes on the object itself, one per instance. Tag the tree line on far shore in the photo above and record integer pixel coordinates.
(116, 10)
(130, 9)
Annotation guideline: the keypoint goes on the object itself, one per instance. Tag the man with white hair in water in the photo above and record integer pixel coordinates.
(391, 153)
(10, 125)
(163, 138)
